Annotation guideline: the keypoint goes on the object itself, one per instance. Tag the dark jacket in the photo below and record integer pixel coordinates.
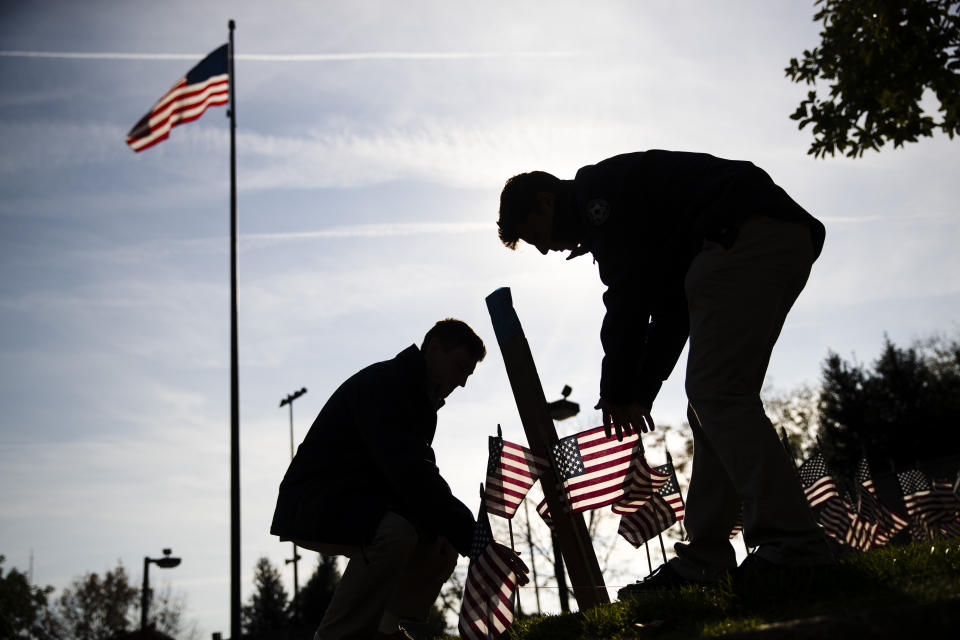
(644, 216)
(368, 452)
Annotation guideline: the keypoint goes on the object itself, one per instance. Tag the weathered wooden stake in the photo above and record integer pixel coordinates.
(575, 545)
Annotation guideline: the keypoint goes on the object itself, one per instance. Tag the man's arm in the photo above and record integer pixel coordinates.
(408, 464)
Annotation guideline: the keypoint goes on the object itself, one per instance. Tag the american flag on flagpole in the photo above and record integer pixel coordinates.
(205, 85)
(511, 471)
(818, 485)
(656, 514)
(593, 468)
(487, 606)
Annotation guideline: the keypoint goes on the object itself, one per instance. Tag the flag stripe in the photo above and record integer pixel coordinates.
(205, 85)
(511, 471)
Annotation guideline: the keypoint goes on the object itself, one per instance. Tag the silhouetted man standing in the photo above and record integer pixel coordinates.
(691, 245)
(364, 484)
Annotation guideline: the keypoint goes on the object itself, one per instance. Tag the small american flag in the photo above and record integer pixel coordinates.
(738, 525)
(487, 606)
(647, 521)
(641, 484)
(511, 471)
(205, 85)
(593, 468)
(656, 514)
(836, 516)
(544, 510)
(870, 508)
(818, 485)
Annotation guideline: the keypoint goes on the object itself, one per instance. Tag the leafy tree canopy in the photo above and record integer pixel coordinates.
(879, 57)
(22, 606)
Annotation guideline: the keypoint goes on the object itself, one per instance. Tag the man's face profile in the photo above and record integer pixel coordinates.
(448, 369)
(537, 228)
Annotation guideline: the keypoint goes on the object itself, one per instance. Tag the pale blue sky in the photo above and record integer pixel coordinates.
(368, 194)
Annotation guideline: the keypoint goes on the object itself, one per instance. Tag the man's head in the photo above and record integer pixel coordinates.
(452, 350)
(528, 205)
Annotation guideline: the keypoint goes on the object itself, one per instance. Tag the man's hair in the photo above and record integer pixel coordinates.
(452, 333)
(519, 199)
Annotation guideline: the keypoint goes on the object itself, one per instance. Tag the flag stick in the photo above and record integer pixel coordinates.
(516, 592)
(683, 534)
(234, 375)
(663, 549)
(647, 549)
(533, 558)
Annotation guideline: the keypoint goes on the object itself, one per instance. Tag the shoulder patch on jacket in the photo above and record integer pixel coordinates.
(597, 211)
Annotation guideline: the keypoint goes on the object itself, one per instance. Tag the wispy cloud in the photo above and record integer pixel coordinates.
(296, 57)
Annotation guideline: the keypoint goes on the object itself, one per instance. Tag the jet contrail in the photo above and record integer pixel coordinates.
(377, 231)
(296, 57)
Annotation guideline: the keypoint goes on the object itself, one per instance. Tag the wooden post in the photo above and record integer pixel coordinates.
(575, 545)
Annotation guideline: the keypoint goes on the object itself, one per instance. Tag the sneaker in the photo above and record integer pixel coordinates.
(663, 577)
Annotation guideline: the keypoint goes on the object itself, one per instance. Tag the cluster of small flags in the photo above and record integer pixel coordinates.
(859, 519)
(595, 471)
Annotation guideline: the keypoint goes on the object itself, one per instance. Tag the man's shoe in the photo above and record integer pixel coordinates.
(757, 571)
(664, 577)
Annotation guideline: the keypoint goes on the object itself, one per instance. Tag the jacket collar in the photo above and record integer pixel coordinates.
(413, 360)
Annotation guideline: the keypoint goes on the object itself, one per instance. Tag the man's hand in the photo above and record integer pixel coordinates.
(512, 559)
(625, 418)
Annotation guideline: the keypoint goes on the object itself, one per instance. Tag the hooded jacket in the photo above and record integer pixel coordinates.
(368, 452)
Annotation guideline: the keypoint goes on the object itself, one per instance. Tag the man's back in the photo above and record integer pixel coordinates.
(368, 452)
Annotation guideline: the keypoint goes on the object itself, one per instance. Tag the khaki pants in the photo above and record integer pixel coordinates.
(396, 574)
(738, 299)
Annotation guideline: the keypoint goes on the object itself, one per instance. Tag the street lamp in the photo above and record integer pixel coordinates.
(296, 557)
(562, 409)
(166, 562)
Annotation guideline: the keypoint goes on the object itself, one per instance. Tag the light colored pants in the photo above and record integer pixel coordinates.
(738, 300)
(396, 575)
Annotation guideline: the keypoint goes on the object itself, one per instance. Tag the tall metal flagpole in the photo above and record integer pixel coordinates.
(234, 375)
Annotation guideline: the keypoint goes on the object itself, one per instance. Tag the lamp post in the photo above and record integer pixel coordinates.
(296, 557)
(166, 562)
(561, 410)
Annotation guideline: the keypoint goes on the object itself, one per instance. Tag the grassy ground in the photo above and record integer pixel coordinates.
(884, 593)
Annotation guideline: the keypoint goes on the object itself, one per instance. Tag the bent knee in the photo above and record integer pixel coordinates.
(395, 535)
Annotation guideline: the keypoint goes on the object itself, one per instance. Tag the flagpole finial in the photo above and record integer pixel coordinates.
(481, 490)
(499, 432)
(231, 24)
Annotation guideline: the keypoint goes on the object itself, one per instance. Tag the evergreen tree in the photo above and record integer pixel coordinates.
(314, 597)
(269, 604)
(899, 413)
